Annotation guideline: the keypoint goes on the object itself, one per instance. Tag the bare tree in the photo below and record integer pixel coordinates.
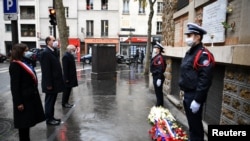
(150, 17)
(62, 27)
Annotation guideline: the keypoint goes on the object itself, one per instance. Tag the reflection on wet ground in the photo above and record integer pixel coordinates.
(105, 110)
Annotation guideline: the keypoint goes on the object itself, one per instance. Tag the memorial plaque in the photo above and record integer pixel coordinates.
(213, 16)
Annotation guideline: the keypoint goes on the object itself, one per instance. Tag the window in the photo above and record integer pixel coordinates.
(27, 12)
(142, 5)
(90, 28)
(159, 7)
(89, 5)
(159, 28)
(181, 4)
(125, 7)
(104, 4)
(8, 27)
(104, 28)
(66, 12)
(28, 30)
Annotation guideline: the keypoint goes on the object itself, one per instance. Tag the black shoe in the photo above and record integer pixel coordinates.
(57, 119)
(53, 122)
(67, 105)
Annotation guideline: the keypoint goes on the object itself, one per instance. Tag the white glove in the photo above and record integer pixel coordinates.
(158, 82)
(194, 106)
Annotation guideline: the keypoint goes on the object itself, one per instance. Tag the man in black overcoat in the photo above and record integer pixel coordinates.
(52, 79)
(69, 74)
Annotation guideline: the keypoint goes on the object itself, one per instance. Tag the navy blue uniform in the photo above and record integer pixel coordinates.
(157, 68)
(195, 80)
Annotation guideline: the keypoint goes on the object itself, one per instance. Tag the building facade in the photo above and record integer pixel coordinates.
(27, 25)
(91, 22)
(134, 25)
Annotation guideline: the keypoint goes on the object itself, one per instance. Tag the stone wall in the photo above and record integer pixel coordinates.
(167, 82)
(236, 96)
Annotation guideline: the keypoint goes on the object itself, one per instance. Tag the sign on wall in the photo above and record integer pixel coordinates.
(213, 16)
(10, 9)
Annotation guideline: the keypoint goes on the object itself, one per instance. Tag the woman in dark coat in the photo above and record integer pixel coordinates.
(27, 105)
(69, 74)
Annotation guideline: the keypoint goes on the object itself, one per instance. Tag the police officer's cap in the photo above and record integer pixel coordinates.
(158, 45)
(195, 29)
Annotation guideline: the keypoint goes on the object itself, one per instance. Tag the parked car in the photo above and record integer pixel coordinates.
(2, 58)
(87, 59)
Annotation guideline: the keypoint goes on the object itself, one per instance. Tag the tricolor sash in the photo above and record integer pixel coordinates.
(27, 69)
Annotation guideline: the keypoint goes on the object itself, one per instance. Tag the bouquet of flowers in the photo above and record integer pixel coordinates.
(164, 126)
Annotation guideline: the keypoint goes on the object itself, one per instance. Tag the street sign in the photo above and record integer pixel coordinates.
(9, 17)
(10, 6)
(127, 29)
(10, 10)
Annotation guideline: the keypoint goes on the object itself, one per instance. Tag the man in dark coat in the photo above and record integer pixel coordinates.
(69, 74)
(142, 56)
(52, 79)
(27, 104)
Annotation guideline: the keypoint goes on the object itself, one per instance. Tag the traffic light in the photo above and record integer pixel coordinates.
(52, 16)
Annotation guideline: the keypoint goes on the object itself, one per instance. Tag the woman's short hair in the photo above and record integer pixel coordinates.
(17, 51)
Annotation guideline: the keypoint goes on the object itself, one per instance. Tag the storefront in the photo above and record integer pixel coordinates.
(128, 46)
(90, 42)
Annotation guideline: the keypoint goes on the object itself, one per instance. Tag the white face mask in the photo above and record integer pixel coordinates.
(72, 52)
(55, 44)
(155, 50)
(27, 54)
(190, 41)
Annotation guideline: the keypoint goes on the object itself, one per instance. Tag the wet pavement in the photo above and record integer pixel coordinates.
(105, 110)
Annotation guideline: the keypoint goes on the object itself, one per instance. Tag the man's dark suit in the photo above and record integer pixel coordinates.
(51, 77)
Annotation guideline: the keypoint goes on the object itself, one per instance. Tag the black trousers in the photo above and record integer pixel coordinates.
(196, 130)
(158, 92)
(24, 134)
(66, 94)
(50, 100)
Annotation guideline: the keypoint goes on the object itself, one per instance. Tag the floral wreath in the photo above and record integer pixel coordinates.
(164, 126)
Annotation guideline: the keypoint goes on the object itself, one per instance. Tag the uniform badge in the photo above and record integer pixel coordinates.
(159, 62)
(205, 63)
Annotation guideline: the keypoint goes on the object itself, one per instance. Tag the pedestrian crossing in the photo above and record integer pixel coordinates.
(3, 70)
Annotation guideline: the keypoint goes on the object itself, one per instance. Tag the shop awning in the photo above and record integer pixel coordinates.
(137, 40)
(74, 41)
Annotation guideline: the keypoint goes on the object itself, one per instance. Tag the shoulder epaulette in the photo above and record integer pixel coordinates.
(197, 57)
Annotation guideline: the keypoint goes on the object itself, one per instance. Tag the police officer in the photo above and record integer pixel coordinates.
(195, 79)
(157, 68)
